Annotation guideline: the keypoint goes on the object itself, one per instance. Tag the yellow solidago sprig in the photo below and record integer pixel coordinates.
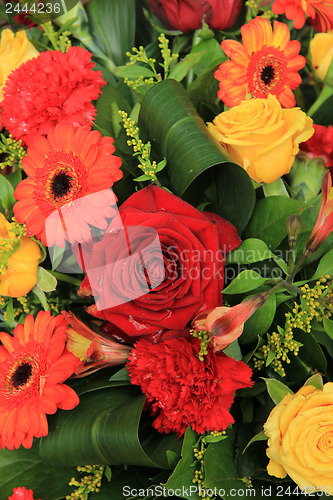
(149, 76)
(90, 483)
(316, 303)
(13, 151)
(142, 151)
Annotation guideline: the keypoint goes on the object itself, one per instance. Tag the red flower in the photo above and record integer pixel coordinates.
(54, 87)
(94, 351)
(324, 223)
(65, 170)
(162, 268)
(318, 12)
(187, 15)
(34, 363)
(21, 493)
(182, 389)
(320, 144)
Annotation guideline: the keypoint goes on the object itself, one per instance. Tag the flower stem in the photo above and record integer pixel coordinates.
(323, 96)
(66, 278)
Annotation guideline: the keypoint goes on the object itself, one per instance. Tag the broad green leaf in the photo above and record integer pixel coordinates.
(214, 439)
(45, 280)
(259, 322)
(6, 193)
(104, 429)
(276, 389)
(233, 351)
(212, 55)
(201, 90)
(328, 325)
(254, 250)
(310, 352)
(183, 474)
(180, 70)
(112, 25)
(41, 297)
(316, 380)
(26, 468)
(276, 188)
(325, 266)
(220, 466)
(269, 218)
(245, 281)
(133, 71)
(108, 120)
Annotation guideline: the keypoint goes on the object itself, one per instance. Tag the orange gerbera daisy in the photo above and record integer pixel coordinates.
(266, 63)
(319, 12)
(65, 169)
(34, 363)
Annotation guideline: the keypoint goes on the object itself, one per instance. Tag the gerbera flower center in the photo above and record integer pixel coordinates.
(267, 72)
(21, 374)
(61, 184)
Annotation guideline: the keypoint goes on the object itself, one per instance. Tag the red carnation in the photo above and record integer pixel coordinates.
(53, 88)
(21, 493)
(182, 389)
(320, 144)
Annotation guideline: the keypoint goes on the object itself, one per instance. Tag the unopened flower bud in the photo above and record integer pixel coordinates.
(294, 224)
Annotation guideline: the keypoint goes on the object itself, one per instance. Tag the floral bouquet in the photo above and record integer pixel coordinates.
(166, 261)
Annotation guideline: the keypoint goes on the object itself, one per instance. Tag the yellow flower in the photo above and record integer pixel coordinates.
(21, 274)
(321, 50)
(300, 444)
(262, 137)
(14, 51)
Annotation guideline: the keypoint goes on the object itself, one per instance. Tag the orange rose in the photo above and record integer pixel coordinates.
(321, 50)
(262, 137)
(20, 268)
(300, 444)
(14, 51)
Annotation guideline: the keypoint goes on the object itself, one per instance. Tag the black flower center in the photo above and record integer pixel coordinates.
(21, 374)
(267, 74)
(61, 184)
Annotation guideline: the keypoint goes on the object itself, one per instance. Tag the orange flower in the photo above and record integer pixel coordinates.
(324, 223)
(93, 350)
(319, 12)
(266, 63)
(64, 169)
(19, 260)
(34, 363)
(226, 323)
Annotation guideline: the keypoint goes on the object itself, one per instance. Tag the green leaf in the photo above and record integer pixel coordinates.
(26, 468)
(112, 25)
(180, 70)
(213, 439)
(220, 466)
(316, 380)
(269, 218)
(133, 71)
(254, 250)
(45, 280)
(108, 120)
(276, 389)
(182, 476)
(6, 193)
(310, 352)
(261, 436)
(233, 351)
(276, 188)
(328, 325)
(122, 376)
(270, 357)
(325, 266)
(259, 322)
(41, 297)
(104, 429)
(245, 281)
(10, 312)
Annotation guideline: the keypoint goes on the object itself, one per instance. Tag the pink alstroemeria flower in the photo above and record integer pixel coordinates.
(93, 350)
(324, 223)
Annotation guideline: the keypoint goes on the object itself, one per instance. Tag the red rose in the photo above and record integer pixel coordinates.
(187, 15)
(164, 266)
(320, 144)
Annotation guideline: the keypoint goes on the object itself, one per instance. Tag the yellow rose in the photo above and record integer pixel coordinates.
(20, 276)
(321, 50)
(300, 444)
(14, 50)
(262, 137)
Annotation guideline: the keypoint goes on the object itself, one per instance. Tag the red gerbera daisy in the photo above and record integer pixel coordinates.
(21, 493)
(319, 12)
(196, 393)
(266, 63)
(65, 169)
(54, 87)
(34, 363)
